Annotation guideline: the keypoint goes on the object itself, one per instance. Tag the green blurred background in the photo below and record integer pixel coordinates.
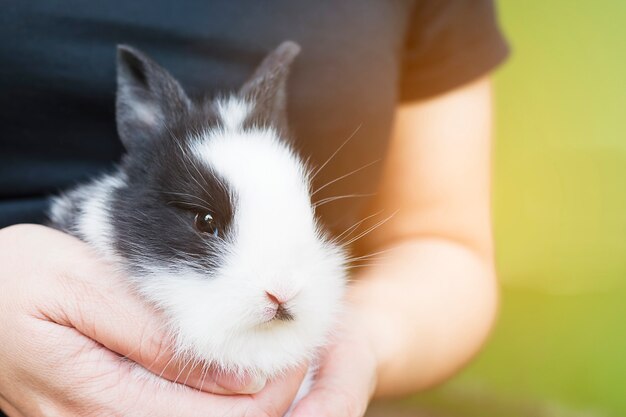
(559, 348)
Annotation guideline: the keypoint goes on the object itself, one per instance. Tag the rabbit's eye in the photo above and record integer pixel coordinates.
(204, 223)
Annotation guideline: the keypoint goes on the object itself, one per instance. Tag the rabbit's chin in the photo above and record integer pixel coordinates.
(268, 351)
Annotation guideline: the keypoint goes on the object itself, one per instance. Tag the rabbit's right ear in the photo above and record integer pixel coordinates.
(267, 88)
(148, 98)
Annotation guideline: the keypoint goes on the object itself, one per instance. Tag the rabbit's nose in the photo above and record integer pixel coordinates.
(282, 312)
(277, 299)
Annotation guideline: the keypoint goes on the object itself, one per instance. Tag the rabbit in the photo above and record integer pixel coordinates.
(209, 215)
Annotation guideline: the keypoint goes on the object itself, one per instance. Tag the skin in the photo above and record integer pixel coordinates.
(425, 308)
(416, 314)
(69, 321)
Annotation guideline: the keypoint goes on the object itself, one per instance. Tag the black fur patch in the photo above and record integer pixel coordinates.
(166, 187)
(154, 214)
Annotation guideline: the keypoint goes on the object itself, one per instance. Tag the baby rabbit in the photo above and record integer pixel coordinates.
(209, 215)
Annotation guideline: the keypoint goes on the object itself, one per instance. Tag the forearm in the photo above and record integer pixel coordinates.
(432, 319)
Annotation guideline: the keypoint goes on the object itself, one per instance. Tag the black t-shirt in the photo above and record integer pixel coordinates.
(359, 59)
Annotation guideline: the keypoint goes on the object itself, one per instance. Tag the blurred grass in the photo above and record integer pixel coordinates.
(560, 191)
(560, 214)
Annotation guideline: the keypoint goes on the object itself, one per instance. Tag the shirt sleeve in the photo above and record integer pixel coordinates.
(449, 43)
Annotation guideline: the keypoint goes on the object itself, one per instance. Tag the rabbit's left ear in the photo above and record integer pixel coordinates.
(267, 88)
(148, 98)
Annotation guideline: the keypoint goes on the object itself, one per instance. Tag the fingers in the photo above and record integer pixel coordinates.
(273, 401)
(111, 314)
(279, 394)
(92, 297)
(70, 306)
(97, 383)
(9, 410)
(343, 386)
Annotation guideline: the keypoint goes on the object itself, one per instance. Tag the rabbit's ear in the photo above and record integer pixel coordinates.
(267, 88)
(148, 98)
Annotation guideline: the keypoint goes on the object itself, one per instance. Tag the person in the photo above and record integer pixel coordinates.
(392, 99)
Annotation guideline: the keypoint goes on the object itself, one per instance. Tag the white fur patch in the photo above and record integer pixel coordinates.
(233, 112)
(93, 224)
(275, 246)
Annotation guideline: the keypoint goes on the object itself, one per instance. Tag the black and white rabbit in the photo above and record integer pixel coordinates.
(209, 213)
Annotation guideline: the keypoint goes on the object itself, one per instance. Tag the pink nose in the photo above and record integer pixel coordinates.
(276, 299)
(279, 311)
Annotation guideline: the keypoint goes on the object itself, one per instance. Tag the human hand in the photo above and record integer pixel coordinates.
(68, 323)
(346, 378)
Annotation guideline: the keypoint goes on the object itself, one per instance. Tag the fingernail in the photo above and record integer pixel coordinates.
(256, 384)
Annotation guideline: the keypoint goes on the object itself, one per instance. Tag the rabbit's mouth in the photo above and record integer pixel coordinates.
(277, 315)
